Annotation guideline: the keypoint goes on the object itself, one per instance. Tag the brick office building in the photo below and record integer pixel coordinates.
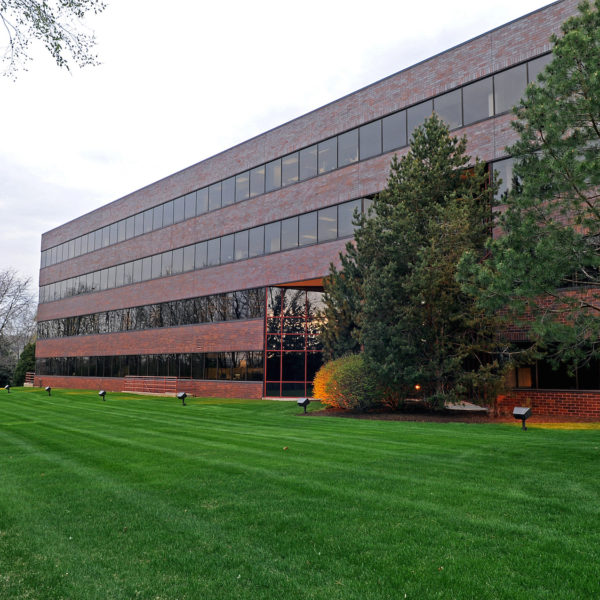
(209, 280)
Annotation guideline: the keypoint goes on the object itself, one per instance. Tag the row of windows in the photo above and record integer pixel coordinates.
(243, 304)
(480, 100)
(310, 228)
(543, 376)
(236, 366)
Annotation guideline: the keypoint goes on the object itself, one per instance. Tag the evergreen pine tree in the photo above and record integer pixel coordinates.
(408, 312)
(26, 363)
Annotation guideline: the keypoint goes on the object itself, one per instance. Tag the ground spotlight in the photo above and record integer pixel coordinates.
(182, 396)
(523, 413)
(103, 394)
(49, 390)
(7, 388)
(303, 402)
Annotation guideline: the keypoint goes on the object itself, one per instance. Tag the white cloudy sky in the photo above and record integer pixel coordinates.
(183, 80)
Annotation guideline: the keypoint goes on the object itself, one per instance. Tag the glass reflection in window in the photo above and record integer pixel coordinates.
(478, 101)
(348, 148)
(509, 87)
(327, 155)
(370, 140)
(449, 108)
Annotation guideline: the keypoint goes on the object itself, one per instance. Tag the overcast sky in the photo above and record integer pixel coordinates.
(183, 80)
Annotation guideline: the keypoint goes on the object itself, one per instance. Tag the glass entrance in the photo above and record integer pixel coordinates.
(292, 343)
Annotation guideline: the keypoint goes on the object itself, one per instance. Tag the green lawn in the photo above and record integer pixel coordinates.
(139, 497)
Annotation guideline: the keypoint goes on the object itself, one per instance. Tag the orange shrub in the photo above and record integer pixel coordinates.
(346, 383)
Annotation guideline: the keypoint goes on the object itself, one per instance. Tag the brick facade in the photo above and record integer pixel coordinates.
(498, 49)
(192, 387)
(562, 403)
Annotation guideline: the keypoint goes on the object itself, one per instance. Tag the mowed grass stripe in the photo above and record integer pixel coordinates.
(206, 503)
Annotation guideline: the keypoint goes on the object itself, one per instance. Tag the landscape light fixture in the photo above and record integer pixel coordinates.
(304, 402)
(7, 388)
(523, 413)
(103, 394)
(182, 396)
(49, 390)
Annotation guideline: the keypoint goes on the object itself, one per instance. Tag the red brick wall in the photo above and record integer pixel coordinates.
(552, 402)
(284, 267)
(497, 49)
(215, 389)
(229, 336)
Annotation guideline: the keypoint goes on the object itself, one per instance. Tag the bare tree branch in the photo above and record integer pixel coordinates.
(57, 24)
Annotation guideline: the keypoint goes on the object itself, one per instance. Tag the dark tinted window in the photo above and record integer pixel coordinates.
(308, 228)
(123, 229)
(129, 229)
(478, 101)
(537, 65)
(327, 155)
(273, 237)
(148, 220)
(113, 235)
(227, 248)
(308, 162)
(201, 201)
(157, 218)
(394, 131)
(273, 175)
(345, 216)
(155, 268)
(449, 108)
(128, 277)
(137, 271)
(328, 223)
(509, 87)
(416, 115)
(120, 276)
(348, 148)
(177, 261)
(241, 245)
(370, 140)
(168, 213)
(190, 205)
(214, 252)
(289, 169)
(178, 209)
(201, 257)
(257, 181)
(256, 241)
(289, 233)
(228, 191)
(242, 187)
(146, 268)
(214, 196)
(112, 276)
(188, 258)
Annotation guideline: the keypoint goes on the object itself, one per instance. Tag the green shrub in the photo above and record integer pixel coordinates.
(346, 383)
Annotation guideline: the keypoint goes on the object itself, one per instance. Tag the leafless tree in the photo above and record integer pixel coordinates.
(17, 317)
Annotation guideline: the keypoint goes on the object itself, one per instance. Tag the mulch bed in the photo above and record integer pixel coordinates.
(423, 415)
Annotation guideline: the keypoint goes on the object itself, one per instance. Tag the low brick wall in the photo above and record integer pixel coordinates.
(571, 403)
(193, 387)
